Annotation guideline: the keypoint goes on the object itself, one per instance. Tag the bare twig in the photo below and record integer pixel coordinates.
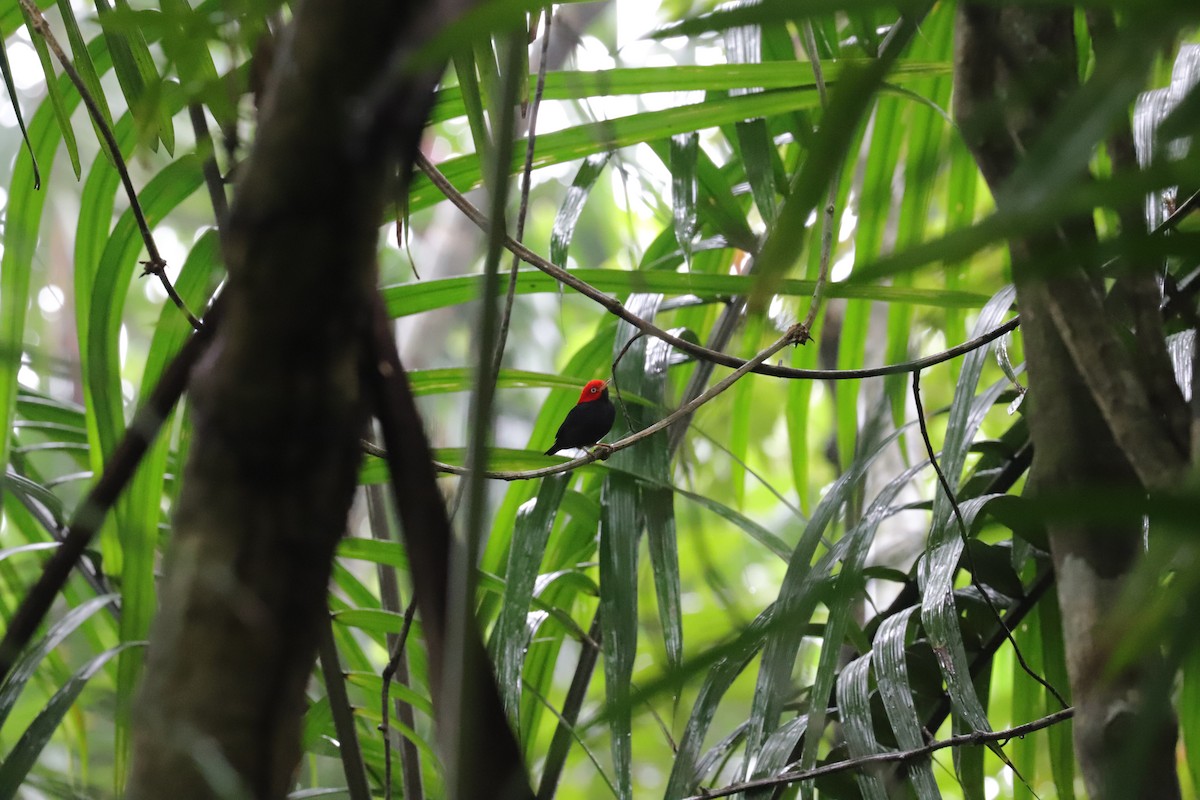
(604, 451)
(353, 768)
(155, 265)
(212, 173)
(962, 740)
(615, 308)
(616, 386)
(389, 596)
(389, 672)
(794, 335)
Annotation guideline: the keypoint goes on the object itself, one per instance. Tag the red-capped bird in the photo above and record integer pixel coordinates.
(590, 419)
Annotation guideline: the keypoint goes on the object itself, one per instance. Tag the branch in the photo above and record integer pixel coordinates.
(794, 335)
(155, 265)
(756, 365)
(973, 738)
(388, 674)
(429, 541)
(615, 308)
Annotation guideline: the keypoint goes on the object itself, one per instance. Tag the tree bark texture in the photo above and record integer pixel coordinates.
(1093, 426)
(278, 407)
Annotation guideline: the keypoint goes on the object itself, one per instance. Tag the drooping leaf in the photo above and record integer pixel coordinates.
(510, 638)
(572, 204)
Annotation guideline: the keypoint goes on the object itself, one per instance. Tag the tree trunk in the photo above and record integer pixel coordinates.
(1015, 68)
(278, 408)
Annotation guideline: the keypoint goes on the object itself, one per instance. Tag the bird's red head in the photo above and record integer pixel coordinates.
(594, 390)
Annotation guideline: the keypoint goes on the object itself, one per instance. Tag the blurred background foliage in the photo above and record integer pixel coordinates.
(791, 529)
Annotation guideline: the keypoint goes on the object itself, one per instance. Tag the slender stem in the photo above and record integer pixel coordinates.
(212, 173)
(793, 335)
(155, 265)
(615, 308)
(389, 674)
(353, 768)
(850, 764)
(526, 180)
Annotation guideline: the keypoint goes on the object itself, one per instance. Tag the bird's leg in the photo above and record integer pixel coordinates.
(602, 451)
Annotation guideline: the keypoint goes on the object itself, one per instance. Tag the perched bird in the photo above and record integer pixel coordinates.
(591, 418)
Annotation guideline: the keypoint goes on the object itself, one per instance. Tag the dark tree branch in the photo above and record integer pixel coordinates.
(155, 265)
(279, 403)
(491, 757)
(852, 764)
(1092, 420)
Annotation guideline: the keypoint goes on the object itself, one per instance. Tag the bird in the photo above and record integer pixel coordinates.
(588, 421)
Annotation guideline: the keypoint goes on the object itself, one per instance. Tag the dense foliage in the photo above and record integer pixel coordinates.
(837, 557)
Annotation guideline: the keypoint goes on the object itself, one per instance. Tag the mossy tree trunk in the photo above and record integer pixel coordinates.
(1095, 420)
(278, 406)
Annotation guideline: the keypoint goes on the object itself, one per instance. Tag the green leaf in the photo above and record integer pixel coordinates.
(847, 107)
(16, 765)
(86, 68)
(848, 584)
(759, 157)
(413, 298)
(797, 599)
(854, 701)
(28, 663)
(6, 69)
(136, 72)
(1061, 750)
(571, 207)
(510, 637)
(619, 526)
(1028, 702)
(588, 139)
(54, 93)
(23, 215)
(166, 190)
(472, 98)
(689, 767)
(684, 147)
(658, 502)
(891, 673)
(937, 569)
(580, 85)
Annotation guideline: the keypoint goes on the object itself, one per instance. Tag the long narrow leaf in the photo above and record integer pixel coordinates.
(23, 670)
(510, 638)
(854, 697)
(16, 765)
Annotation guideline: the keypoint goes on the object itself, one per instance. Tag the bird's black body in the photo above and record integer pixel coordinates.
(586, 423)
